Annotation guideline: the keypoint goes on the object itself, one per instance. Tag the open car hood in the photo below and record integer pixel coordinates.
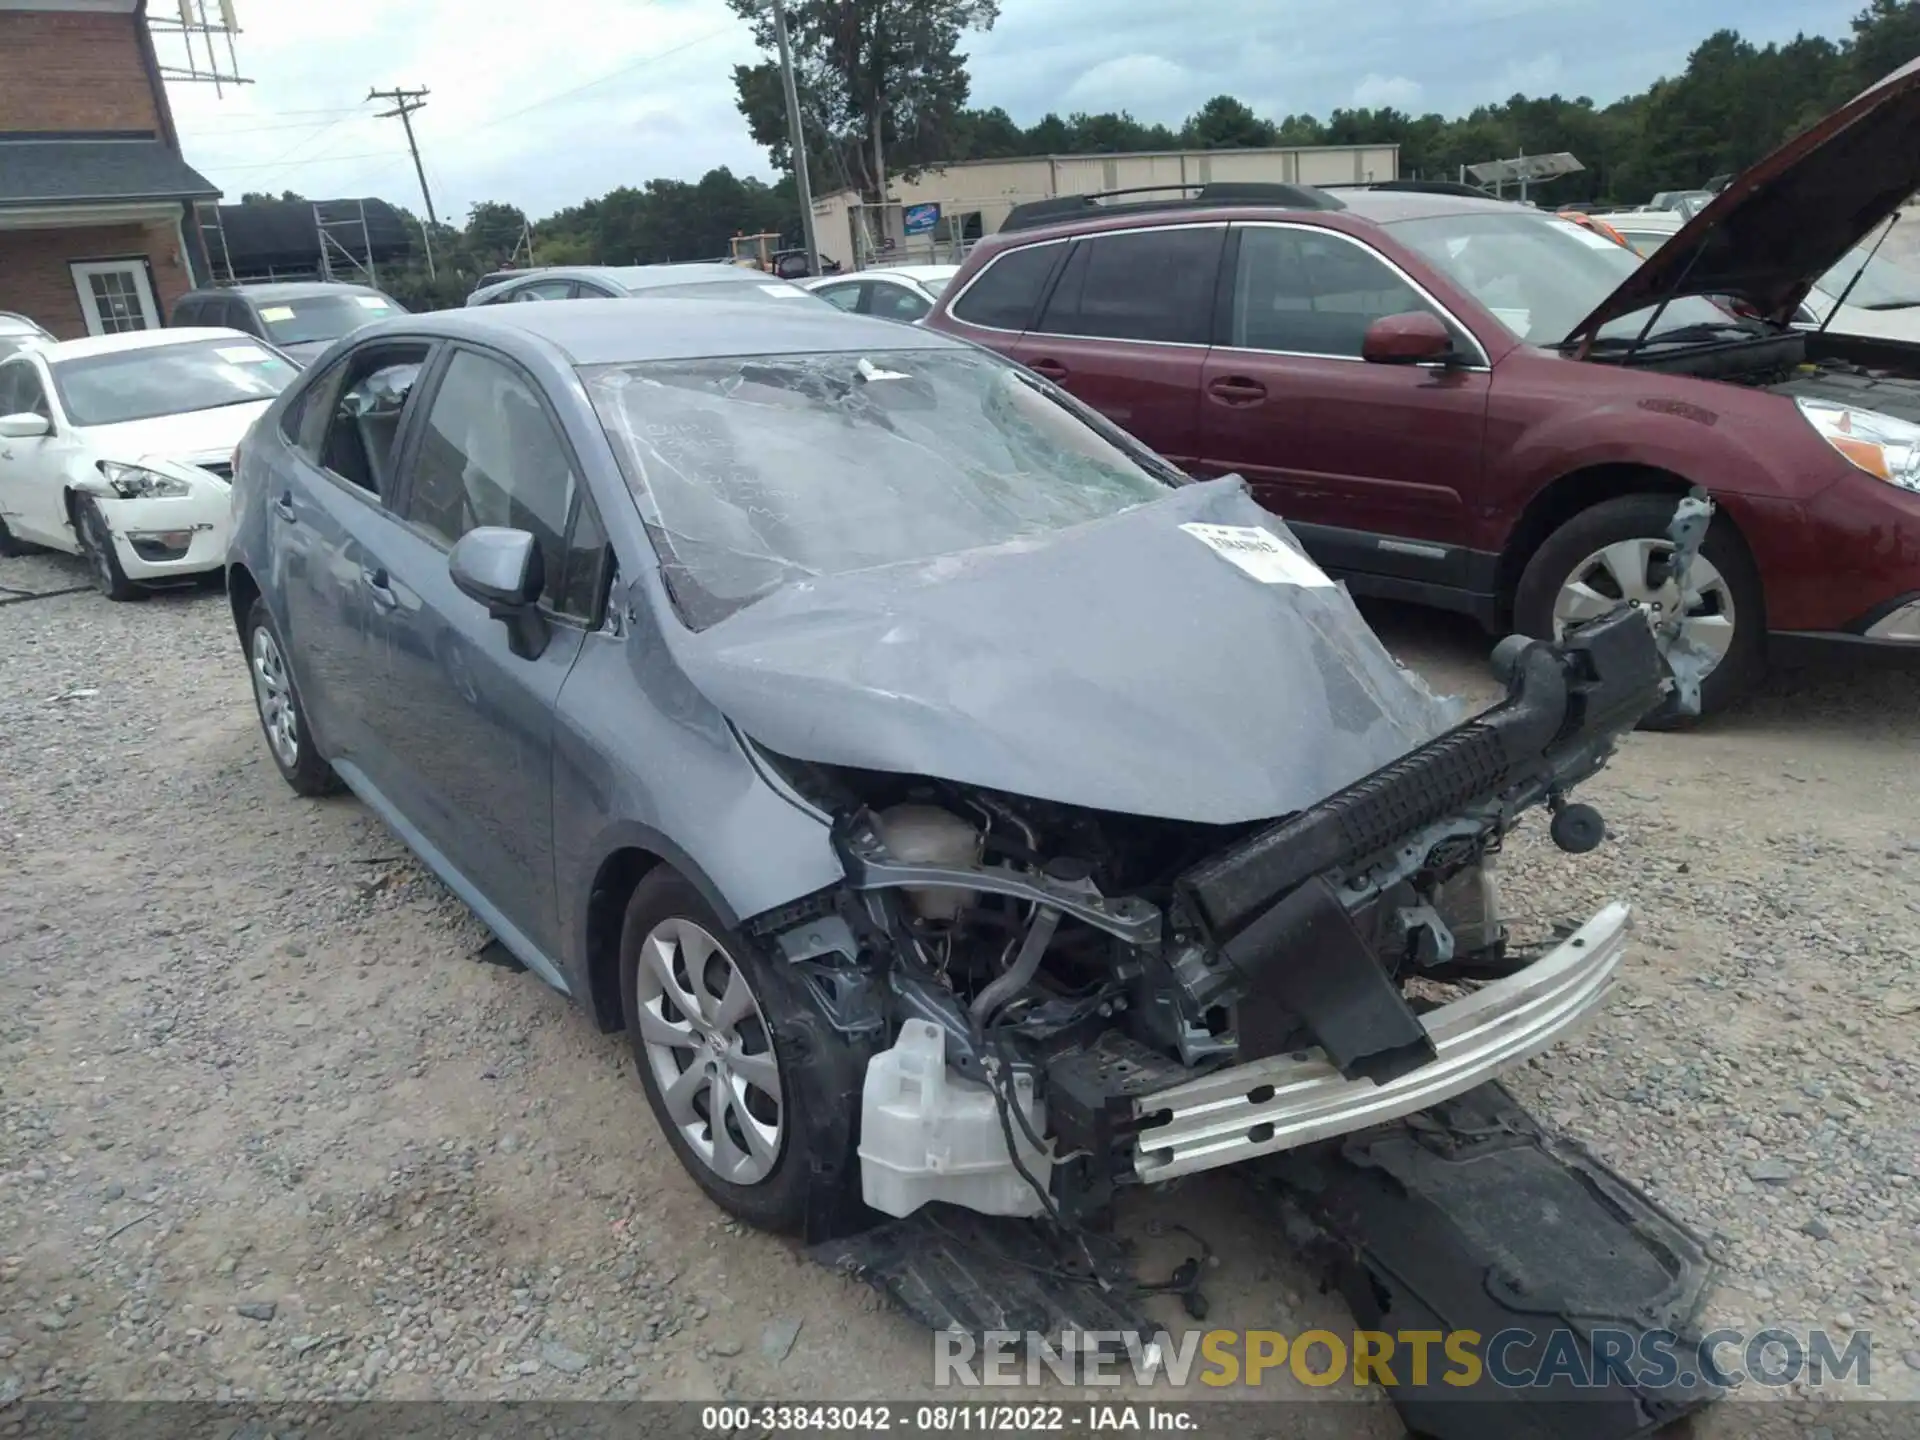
(1786, 221)
(1124, 665)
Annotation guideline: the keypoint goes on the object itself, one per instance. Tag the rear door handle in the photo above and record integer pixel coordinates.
(1051, 369)
(1236, 390)
(283, 507)
(379, 586)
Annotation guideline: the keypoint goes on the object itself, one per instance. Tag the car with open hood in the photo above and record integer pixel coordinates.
(118, 448)
(1471, 404)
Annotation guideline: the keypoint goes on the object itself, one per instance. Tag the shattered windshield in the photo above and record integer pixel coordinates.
(756, 471)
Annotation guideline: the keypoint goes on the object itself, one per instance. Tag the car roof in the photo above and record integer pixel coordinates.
(137, 340)
(911, 272)
(608, 332)
(14, 324)
(647, 277)
(290, 289)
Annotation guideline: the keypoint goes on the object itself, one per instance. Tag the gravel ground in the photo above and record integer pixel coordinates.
(272, 1129)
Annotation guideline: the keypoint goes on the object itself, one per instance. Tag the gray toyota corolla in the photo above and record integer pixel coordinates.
(950, 800)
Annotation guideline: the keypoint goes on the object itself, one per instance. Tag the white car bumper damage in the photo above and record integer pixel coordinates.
(159, 537)
(1296, 1099)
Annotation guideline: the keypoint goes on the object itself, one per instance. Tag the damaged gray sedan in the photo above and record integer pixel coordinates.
(950, 801)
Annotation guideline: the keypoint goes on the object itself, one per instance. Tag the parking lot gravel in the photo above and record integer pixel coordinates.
(271, 1126)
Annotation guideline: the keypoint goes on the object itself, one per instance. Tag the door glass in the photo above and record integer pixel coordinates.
(490, 456)
(896, 302)
(585, 578)
(844, 297)
(1312, 294)
(1005, 294)
(187, 312)
(358, 442)
(546, 290)
(1147, 285)
(21, 392)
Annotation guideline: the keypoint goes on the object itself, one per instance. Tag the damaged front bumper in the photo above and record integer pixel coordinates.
(1295, 1099)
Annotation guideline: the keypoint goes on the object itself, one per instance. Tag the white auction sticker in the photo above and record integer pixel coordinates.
(1263, 555)
(241, 354)
(371, 302)
(785, 292)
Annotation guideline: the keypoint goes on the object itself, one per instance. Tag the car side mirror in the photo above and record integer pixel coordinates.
(24, 426)
(502, 569)
(1415, 338)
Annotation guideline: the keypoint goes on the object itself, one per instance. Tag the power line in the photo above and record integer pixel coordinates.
(316, 160)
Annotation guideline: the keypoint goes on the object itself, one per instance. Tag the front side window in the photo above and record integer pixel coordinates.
(841, 297)
(545, 290)
(489, 455)
(1303, 292)
(138, 384)
(897, 302)
(1140, 285)
(317, 318)
(1005, 294)
(753, 472)
(21, 392)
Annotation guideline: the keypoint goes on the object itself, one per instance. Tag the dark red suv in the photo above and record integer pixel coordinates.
(1483, 406)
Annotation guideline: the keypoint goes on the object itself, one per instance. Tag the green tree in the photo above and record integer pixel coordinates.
(883, 81)
(1224, 123)
(1886, 35)
(494, 231)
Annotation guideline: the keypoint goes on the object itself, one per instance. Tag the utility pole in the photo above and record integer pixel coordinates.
(405, 102)
(796, 137)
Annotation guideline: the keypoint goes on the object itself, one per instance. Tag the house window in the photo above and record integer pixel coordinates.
(115, 296)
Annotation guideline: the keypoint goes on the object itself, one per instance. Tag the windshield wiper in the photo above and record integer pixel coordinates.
(1893, 305)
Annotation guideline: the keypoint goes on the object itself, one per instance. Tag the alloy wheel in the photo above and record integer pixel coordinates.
(710, 1050)
(1637, 571)
(274, 691)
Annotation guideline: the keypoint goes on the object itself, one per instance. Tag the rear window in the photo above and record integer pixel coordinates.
(169, 380)
(323, 317)
(1005, 294)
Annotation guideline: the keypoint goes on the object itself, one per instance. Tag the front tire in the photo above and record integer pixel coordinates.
(1613, 551)
(757, 1094)
(283, 720)
(96, 546)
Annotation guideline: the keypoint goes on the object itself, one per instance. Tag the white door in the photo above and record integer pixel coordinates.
(30, 469)
(115, 296)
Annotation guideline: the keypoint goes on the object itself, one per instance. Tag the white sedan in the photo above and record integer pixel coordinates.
(895, 292)
(119, 448)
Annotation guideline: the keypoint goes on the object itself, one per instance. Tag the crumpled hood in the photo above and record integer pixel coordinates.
(1783, 223)
(1123, 665)
(196, 435)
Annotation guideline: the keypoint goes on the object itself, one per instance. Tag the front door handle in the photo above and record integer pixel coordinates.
(283, 507)
(1051, 369)
(1236, 390)
(380, 587)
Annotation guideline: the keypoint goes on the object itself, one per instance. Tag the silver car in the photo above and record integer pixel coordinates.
(949, 800)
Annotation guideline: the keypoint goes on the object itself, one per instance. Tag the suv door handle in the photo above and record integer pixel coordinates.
(379, 586)
(1236, 390)
(1051, 369)
(283, 507)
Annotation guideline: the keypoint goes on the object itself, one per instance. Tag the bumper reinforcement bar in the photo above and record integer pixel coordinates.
(1296, 1099)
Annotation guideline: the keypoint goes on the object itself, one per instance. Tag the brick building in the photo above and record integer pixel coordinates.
(97, 230)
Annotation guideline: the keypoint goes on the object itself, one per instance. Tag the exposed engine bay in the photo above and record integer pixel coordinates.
(1065, 990)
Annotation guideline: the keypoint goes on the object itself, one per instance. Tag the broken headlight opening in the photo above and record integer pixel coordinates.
(1079, 1001)
(136, 482)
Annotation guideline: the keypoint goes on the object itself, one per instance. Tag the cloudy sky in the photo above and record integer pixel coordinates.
(547, 104)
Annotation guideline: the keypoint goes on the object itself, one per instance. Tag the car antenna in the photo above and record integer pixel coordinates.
(1844, 295)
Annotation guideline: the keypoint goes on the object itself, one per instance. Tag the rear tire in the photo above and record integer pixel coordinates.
(96, 548)
(283, 719)
(766, 1059)
(1733, 593)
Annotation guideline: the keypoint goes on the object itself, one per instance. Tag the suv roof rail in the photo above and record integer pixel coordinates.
(1417, 187)
(1181, 197)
